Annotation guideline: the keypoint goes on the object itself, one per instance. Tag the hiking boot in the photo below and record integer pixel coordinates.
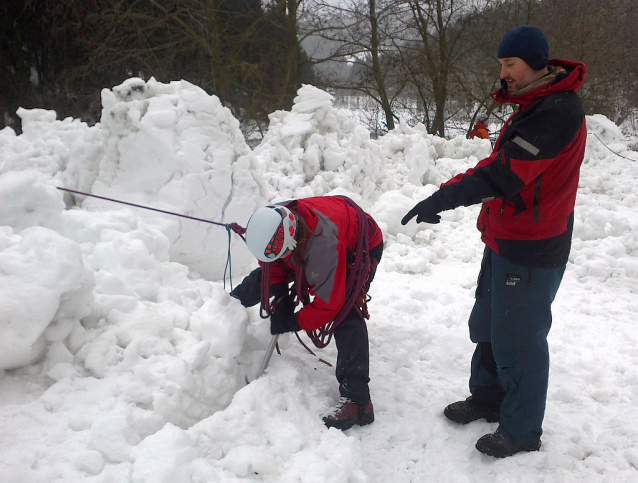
(347, 413)
(498, 446)
(463, 412)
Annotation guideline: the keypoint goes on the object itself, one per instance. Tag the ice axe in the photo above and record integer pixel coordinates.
(267, 356)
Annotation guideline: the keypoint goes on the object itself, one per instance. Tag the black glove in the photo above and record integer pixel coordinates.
(425, 211)
(278, 290)
(284, 318)
(248, 292)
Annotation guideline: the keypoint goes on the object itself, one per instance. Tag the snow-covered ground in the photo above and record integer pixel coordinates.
(123, 359)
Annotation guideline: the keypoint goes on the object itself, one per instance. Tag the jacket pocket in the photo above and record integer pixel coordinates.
(480, 224)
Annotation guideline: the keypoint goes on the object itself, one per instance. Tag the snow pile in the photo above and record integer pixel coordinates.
(200, 163)
(93, 296)
(119, 364)
(41, 272)
(606, 241)
(96, 292)
(52, 147)
(316, 149)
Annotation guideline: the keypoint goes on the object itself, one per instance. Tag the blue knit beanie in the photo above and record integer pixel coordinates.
(527, 43)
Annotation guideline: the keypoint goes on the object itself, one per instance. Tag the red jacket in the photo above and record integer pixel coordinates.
(528, 184)
(479, 131)
(337, 227)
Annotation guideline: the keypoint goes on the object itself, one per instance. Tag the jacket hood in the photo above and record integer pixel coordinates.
(572, 81)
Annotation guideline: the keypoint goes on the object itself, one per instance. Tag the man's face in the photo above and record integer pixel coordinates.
(516, 73)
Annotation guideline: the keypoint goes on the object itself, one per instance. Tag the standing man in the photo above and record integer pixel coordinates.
(528, 189)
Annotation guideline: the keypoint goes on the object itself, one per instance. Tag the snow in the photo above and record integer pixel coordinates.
(124, 359)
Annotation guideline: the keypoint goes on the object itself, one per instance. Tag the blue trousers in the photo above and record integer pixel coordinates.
(509, 324)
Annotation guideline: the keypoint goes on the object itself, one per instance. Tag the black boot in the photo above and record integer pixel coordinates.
(464, 412)
(498, 446)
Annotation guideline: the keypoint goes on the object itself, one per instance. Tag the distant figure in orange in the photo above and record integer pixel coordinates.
(480, 129)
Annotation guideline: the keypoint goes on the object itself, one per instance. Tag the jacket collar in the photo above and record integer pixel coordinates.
(570, 80)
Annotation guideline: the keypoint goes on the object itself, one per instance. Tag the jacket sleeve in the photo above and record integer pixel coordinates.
(248, 292)
(280, 273)
(533, 139)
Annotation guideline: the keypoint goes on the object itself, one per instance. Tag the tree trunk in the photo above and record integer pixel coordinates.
(376, 68)
(291, 79)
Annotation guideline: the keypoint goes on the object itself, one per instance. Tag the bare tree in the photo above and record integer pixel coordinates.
(441, 27)
(362, 35)
(441, 53)
(602, 35)
(244, 51)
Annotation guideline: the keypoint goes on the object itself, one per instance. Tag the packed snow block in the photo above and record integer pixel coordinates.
(604, 140)
(223, 322)
(165, 457)
(461, 148)
(316, 148)
(390, 209)
(68, 150)
(37, 268)
(44, 299)
(606, 130)
(29, 199)
(175, 148)
(112, 436)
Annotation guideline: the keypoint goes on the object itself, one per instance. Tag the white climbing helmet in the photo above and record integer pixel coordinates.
(271, 232)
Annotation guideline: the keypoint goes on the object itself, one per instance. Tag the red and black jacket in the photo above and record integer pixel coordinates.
(528, 184)
(479, 131)
(336, 227)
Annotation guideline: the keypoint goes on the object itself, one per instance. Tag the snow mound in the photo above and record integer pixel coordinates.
(118, 364)
(315, 149)
(200, 163)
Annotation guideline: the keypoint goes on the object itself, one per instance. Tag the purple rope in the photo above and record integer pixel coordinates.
(240, 230)
(354, 284)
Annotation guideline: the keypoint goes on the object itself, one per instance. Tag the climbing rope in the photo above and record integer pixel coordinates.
(355, 281)
(240, 230)
(603, 143)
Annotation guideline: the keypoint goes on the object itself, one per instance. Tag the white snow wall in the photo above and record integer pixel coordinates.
(166, 146)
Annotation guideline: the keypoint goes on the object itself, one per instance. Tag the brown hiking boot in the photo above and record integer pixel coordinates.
(347, 413)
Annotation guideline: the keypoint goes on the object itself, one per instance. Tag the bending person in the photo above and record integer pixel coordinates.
(313, 243)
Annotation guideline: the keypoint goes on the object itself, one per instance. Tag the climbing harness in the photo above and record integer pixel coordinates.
(355, 281)
(358, 272)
